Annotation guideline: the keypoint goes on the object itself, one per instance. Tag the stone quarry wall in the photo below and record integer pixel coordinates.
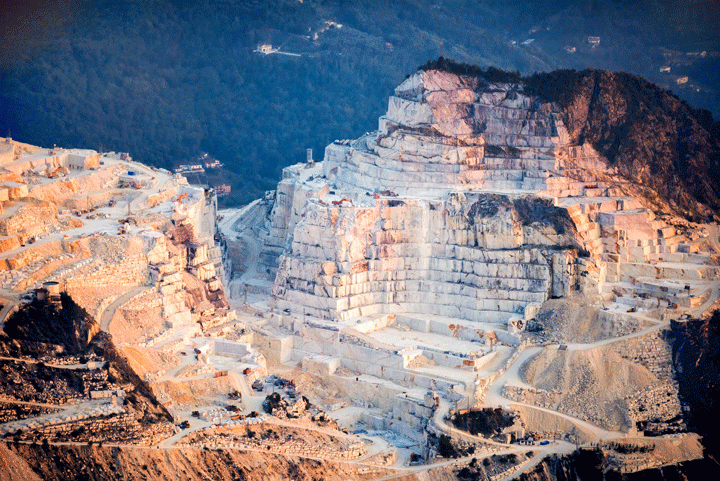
(440, 134)
(468, 257)
(64, 189)
(30, 220)
(414, 238)
(394, 220)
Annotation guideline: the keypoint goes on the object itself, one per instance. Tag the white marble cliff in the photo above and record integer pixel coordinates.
(468, 201)
(418, 253)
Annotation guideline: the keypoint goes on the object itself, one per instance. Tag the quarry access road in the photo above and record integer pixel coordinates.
(109, 312)
(199, 424)
(186, 360)
(71, 367)
(67, 409)
(235, 226)
(230, 216)
(10, 300)
(577, 346)
(196, 424)
(494, 397)
(317, 429)
(438, 420)
(707, 305)
(558, 447)
(60, 407)
(541, 451)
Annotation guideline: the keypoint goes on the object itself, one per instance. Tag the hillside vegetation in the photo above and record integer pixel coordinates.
(648, 135)
(169, 80)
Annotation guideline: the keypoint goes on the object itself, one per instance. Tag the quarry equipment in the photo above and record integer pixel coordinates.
(60, 171)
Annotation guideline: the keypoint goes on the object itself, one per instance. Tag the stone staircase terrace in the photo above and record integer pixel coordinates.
(430, 342)
(686, 294)
(364, 357)
(596, 204)
(440, 168)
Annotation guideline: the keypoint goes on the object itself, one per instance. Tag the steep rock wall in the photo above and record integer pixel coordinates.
(469, 256)
(647, 134)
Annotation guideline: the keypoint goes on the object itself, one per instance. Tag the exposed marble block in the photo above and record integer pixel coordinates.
(321, 365)
(205, 272)
(173, 298)
(182, 318)
(172, 278)
(169, 289)
(668, 231)
(173, 308)
(409, 112)
(199, 256)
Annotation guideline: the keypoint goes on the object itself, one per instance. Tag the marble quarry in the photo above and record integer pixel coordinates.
(145, 260)
(466, 256)
(415, 256)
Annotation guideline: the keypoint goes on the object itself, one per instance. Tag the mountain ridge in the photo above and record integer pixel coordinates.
(668, 149)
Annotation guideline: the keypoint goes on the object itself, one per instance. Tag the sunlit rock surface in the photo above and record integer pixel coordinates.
(422, 257)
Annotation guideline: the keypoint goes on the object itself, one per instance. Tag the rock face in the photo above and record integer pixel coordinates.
(647, 135)
(423, 255)
(468, 256)
(444, 133)
(472, 200)
(430, 213)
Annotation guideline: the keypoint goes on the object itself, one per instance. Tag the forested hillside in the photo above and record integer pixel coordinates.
(169, 80)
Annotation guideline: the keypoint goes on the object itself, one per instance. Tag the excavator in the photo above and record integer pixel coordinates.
(59, 171)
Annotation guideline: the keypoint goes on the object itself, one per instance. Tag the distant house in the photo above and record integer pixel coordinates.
(266, 48)
(528, 41)
(213, 164)
(570, 49)
(594, 41)
(222, 190)
(665, 69)
(682, 80)
(194, 168)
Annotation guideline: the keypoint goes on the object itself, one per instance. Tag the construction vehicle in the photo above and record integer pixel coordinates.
(181, 197)
(340, 202)
(59, 171)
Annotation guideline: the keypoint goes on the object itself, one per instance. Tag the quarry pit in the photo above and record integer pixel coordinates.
(465, 257)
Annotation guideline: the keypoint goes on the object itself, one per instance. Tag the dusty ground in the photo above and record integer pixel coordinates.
(575, 319)
(592, 383)
(102, 463)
